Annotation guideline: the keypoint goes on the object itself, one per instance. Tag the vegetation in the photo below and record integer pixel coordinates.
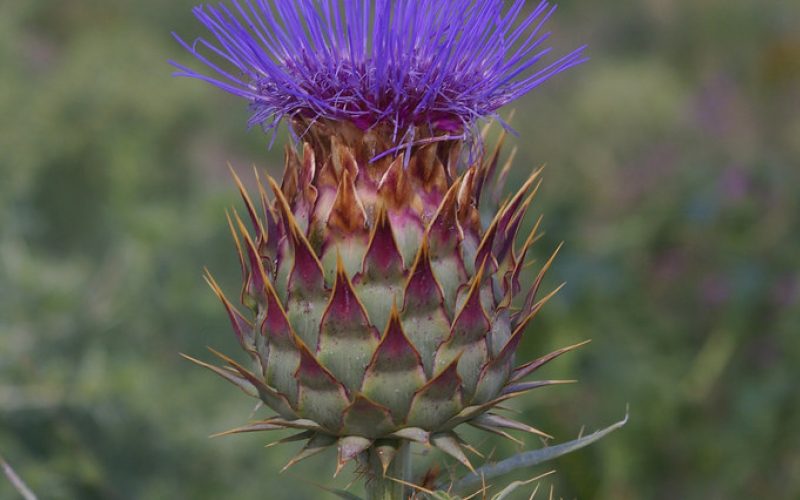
(671, 177)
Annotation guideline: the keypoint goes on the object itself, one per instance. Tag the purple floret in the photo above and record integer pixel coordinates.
(406, 63)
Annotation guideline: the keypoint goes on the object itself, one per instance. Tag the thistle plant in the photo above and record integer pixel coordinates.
(381, 277)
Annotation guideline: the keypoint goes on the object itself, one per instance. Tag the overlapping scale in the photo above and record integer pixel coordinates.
(381, 307)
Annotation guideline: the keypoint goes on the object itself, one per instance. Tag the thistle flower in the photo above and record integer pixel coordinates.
(443, 64)
(382, 310)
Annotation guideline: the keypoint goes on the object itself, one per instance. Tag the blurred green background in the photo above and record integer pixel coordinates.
(673, 178)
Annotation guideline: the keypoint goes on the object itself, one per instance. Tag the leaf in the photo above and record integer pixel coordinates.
(320, 396)
(230, 376)
(395, 371)
(424, 317)
(349, 448)
(366, 418)
(437, 401)
(346, 339)
(450, 444)
(319, 443)
(516, 484)
(531, 458)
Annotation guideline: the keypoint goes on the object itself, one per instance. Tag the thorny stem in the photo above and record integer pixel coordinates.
(385, 487)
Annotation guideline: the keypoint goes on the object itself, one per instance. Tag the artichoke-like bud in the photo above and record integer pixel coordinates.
(381, 307)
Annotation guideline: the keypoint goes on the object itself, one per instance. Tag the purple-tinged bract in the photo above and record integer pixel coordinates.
(441, 64)
(382, 276)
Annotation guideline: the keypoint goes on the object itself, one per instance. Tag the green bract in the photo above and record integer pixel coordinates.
(380, 309)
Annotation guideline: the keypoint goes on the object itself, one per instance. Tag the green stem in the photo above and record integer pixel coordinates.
(383, 487)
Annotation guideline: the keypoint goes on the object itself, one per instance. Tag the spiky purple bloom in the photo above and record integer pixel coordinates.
(438, 63)
(381, 310)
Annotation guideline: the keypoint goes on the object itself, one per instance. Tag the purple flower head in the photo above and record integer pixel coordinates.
(440, 63)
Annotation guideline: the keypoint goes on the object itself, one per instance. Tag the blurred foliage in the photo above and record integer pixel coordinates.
(673, 178)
